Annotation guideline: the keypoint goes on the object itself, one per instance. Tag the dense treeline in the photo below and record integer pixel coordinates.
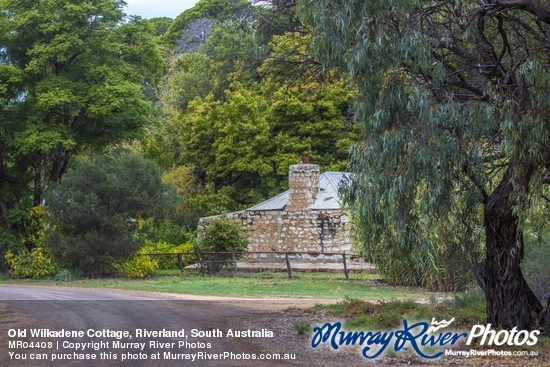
(223, 99)
(205, 113)
(243, 106)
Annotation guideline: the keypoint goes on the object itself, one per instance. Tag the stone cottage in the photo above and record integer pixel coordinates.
(306, 217)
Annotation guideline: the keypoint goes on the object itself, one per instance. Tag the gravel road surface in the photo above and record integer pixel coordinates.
(111, 311)
(60, 308)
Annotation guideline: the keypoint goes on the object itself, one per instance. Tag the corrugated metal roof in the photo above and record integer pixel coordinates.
(222, 215)
(329, 181)
(275, 203)
(326, 199)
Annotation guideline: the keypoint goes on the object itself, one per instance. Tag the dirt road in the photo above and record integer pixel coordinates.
(73, 309)
(115, 311)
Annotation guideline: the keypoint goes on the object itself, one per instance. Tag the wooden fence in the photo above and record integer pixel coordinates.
(259, 261)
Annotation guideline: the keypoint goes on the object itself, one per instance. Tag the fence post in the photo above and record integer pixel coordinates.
(200, 262)
(180, 262)
(288, 270)
(234, 262)
(345, 266)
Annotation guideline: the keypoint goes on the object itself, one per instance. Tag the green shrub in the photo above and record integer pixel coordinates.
(302, 329)
(64, 275)
(5, 239)
(95, 210)
(152, 230)
(37, 263)
(440, 255)
(385, 315)
(169, 261)
(220, 235)
(139, 266)
(467, 307)
(28, 255)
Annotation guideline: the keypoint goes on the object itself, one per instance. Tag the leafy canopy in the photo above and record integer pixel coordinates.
(240, 112)
(72, 78)
(93, 211)
(453, 100)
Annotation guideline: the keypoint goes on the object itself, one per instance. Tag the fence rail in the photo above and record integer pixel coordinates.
(233, 263)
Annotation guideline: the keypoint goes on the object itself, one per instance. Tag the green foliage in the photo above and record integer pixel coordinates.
(162, 242)
(232, 50)
(239, 146)
(442, 262)
(302, 329)
(189, 77)
(388, 315)
(165, 254)
(140, 265)
(467, 308)
(36, 263)
(276, 19)
(291, 60)
(5, 239)
(164, 237)
(155, 230)
(442, 135)
(241, 109)
(537, 252)
(198, 200)
(73, 78)
(160, 25)
(93, 211)
(230, 143)
(28, 255)
(220, 235)
(64, 275)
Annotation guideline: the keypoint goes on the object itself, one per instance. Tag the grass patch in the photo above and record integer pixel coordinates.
(302, 329)
(467, 308)
(268, 274)
(310, 286)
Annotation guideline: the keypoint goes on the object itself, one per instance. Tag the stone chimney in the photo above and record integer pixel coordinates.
(303, 183)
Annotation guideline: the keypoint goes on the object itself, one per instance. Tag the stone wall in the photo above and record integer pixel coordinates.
(297, 227)
(297, 230)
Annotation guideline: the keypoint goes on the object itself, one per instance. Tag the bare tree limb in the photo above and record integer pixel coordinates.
(531, 6)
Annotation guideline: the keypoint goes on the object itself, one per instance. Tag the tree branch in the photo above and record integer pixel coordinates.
(5, 214)
(531, 6)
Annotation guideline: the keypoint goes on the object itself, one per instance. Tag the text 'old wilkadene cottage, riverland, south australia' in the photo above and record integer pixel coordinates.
(306, 217)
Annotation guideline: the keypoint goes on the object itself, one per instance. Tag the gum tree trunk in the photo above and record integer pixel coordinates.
(510, 301)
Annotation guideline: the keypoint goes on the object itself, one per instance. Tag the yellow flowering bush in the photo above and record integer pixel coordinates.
(139, 266)
(37, 263)
(170, 260)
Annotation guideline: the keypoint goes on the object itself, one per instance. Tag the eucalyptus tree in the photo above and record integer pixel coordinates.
(72, 78)
(454, 101)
